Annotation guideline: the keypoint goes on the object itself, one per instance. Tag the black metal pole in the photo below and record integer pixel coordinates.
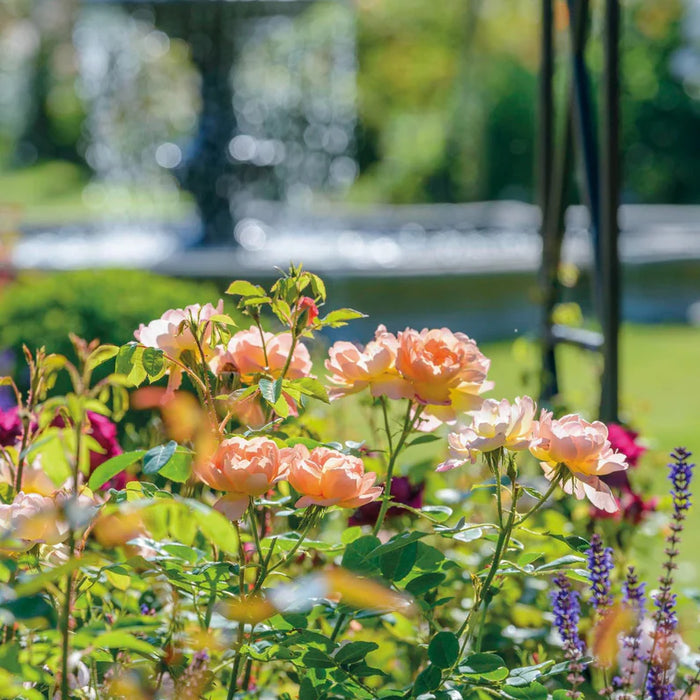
(609, 198)
(548, 272)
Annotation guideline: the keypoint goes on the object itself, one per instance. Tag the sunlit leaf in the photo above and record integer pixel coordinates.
(111, 467)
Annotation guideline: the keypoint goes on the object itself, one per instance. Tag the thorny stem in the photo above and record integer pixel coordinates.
(207, 391)
(26, 424)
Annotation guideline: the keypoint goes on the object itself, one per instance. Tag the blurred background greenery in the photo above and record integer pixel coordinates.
(446, 102)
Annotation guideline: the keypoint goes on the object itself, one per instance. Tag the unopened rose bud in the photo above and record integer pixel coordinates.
(308, 311)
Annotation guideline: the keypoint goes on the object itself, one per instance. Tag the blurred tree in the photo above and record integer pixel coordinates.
(52, 124)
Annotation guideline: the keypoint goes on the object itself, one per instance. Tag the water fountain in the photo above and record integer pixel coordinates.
(277, 99)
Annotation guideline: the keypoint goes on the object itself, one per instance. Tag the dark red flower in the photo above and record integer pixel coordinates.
(633, 508)
(104, 432)
(402, 491)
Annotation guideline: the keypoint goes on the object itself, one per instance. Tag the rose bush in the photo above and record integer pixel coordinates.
(384, 531)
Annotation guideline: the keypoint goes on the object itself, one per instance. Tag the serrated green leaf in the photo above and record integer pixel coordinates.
(270, 390)
(560, 562)
(157, 457)
(533, 691)
(311, 387)
(469, 535)
(359, 554)
(315, 658)
(437, 513)
(32, 607)
(112, 467)
(223, 319)
(427, 680)
(352, 652)
(525, 675)
(317, 286)
(127, 642)
(340, 317)
(489, 667)
(243, 288)
(424, 439)
(100, 355)
(179, 468)
(578, 544)
(397, 564)
(153, 361)
(443, 649)
(424, 583)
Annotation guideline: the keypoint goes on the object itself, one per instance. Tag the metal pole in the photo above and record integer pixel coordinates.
(609, 197)
(548, 272)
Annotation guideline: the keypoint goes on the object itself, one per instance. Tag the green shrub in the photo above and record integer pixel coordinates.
(41, 309)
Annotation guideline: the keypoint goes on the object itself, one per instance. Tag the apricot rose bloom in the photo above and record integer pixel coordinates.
(584, 449)
(163, 332)
(326, 477)
(244, 354)
(243, 468)
(353, 369)
(446, 370)
(496, 424)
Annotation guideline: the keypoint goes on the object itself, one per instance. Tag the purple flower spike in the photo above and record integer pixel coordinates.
(660, 682)
(600, 564)
(566, 607)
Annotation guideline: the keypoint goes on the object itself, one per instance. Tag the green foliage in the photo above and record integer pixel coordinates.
(40, 309)
(209, 570)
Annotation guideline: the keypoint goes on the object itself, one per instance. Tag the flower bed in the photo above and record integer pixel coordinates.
(241, 551)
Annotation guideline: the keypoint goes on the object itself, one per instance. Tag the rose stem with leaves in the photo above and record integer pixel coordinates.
(409, 424)
(65, 616)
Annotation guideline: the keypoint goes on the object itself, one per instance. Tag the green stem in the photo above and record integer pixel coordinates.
(254, 528)
(552, 487)
(394, 451)
(501, 547)
(26, 424)
(493, 459)
(338, 626)
(288, 557)
(236, 664)
(65, 630)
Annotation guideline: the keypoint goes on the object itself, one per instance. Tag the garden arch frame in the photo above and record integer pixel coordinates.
(600, 165)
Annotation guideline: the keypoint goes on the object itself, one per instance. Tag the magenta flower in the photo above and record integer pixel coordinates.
(625, 440)
(10, 427)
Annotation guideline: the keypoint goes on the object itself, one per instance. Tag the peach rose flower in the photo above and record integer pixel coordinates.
(353, 369)
(446, 370)
(244, 468)
(327, 477)
(30, 519)
(164, 333)
(244, 354)
(496, 424)
(584, 449)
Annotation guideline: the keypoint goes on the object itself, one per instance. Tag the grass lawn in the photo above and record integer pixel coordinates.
(59, 192)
